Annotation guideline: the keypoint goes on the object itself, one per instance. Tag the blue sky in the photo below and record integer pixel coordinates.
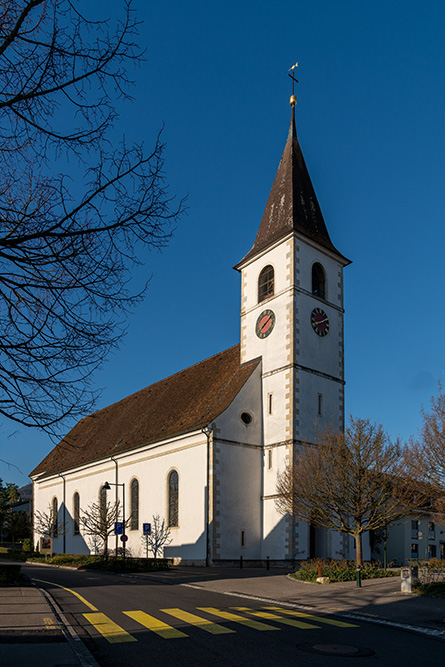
(370, 119)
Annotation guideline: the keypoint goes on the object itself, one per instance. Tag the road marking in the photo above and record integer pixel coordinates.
(109, 629)
(273, 617)
(162, 629)
(256, 625)
(49, 623)
(88, 604)
(320, 619)
(203, 623)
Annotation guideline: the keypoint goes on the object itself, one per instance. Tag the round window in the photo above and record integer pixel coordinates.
(246, 418)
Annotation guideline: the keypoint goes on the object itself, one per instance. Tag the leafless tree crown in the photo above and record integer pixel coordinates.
(76, 206)
(353, 482)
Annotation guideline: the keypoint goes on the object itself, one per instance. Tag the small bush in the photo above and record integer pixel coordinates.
(27, 546)
(340, 570)
(436, 589)
(109, 565)
(10, 575)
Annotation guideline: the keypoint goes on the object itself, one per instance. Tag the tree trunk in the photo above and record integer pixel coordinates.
(358, 548)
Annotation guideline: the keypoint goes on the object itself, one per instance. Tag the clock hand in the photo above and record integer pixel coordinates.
(263, 325)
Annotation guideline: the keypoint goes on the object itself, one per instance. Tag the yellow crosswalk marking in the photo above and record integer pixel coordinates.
(162, 629)
(273, 617)
(203, 623)
(109, 629)
(320, 619)
(256, 625)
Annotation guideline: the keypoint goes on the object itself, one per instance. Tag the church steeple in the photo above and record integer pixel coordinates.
(292, 205)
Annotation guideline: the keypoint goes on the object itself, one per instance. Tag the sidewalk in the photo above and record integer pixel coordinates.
(31, 632)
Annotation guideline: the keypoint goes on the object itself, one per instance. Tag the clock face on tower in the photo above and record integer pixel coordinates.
(265, 323)
(320, 322)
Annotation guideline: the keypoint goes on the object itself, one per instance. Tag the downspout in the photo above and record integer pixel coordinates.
(116, 480)
(208, 430)
(64, 511)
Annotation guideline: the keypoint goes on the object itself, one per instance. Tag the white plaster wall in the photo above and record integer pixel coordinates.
(238, 474)
(273, 348)
(310, 424)
(229, 426)
(275, 532)
(151, 466)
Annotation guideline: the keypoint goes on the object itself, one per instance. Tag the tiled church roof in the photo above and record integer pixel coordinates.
(181, 403)
(292, 203)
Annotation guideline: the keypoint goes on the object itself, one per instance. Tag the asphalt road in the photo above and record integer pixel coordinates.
(130, 621)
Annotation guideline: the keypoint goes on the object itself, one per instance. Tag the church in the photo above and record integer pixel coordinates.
(202, 448)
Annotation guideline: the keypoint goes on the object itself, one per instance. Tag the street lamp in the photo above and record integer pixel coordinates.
(107, 486)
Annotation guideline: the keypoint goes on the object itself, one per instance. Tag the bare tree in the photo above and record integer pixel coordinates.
(48, 524)
(159, 536)
(426, 455)
(76, 205)
(353, 482)
(98, 521)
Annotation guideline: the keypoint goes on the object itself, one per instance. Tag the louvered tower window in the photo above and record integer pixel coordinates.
(266, 283)
(318, 281)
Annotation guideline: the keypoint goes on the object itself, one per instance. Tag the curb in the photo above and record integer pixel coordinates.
(81, 652)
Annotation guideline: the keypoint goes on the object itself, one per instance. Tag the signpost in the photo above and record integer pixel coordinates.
(146, 531)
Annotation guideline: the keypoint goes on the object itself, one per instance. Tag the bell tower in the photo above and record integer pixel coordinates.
(292, 317)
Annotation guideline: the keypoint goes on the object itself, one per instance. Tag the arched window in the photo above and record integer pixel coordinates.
(103, 504)
(54, 517)
(76, 514)
(173, 493)
(318, 281)
(266, 283)
(134, 497)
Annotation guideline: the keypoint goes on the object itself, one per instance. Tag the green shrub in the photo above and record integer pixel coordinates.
(340, 570)
(27, 546)
(10, 575)
(435, 589)
(110, 565)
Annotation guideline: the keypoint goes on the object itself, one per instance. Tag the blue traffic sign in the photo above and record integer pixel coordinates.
(146, 528)
(118, 527)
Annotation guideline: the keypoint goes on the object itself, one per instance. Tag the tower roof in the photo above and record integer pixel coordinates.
(292, 204)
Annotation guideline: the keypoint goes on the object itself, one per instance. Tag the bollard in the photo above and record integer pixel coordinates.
(359, 576)
(408, 576)
(240, 562)
(319, 575)
(267, 564)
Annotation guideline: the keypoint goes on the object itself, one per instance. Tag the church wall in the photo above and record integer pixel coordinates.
(151, 467)
(238, 476)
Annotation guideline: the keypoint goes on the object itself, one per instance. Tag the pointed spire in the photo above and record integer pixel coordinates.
(292, 203)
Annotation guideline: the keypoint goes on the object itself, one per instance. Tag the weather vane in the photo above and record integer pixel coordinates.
(293, 99)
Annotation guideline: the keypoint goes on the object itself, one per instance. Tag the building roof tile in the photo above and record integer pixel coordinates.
(184, 402)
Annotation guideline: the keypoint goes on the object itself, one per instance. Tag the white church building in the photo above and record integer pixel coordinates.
(203, 447)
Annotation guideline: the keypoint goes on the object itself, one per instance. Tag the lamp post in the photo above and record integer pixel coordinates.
(107, 486)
